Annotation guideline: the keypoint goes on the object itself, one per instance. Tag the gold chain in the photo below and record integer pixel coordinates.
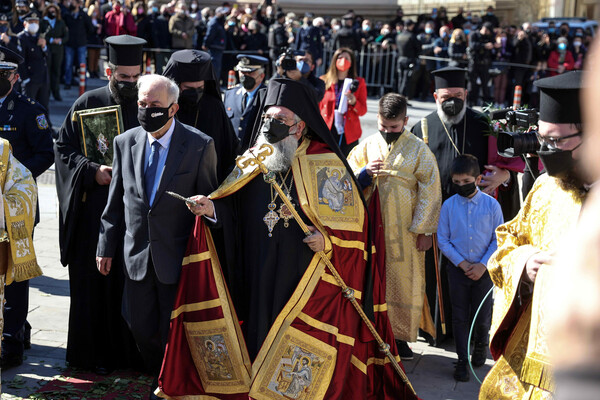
(450, 137)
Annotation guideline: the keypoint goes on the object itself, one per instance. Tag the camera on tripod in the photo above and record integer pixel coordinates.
(516, 142)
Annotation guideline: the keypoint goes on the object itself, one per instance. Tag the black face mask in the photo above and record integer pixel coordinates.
(275, 131)
(127, 90)
(51, 15)
(464, 190)
(247, 82)
(5, 87)
(453, 106)
(558, 163)
(72, 7)
(153, 118)
(390, 137)
(190, 97)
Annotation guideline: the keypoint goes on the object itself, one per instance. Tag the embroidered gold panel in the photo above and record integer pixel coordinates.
(300, 369)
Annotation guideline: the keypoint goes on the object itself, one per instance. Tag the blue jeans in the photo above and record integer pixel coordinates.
(69, 54)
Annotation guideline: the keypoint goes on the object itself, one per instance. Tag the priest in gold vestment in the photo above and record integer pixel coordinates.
(18, 198)
(522, 265)
(404, 171)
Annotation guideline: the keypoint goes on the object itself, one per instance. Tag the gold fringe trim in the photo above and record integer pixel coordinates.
(537, 373)
(27, 270)
(19, 230)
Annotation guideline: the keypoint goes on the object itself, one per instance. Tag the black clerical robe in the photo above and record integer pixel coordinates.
(97, 335)
(210, 118)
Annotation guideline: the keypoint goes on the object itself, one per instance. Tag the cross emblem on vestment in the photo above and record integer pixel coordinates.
(271, 219)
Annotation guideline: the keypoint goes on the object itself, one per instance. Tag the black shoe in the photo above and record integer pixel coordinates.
(26, 344)
(404, 351)
(10, 361)
(100, 370)
(58, 97)
(67, 87)
(460, 371)
(479, 354)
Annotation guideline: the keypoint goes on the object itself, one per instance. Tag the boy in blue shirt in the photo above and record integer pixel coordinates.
(467, 237)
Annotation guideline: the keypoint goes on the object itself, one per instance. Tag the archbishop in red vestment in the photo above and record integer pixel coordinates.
(260, 315)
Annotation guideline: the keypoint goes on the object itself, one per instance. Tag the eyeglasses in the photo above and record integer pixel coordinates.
(6, 73)
(554, 141)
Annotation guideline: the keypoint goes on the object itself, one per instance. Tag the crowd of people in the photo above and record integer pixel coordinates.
(272, 263)
(498, 55)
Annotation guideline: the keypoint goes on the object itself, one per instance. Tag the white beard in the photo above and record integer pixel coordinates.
(283, 153)
(448, 120)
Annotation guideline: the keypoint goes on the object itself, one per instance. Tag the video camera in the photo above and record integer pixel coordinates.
(288, 62)
(515, 143)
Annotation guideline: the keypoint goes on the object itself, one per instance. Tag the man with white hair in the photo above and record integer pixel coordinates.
(159, 156)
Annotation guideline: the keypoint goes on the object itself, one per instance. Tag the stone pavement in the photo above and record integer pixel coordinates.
(430, 371)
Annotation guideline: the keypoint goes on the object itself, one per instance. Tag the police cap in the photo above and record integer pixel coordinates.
(9, 59)
(32, 16)
(250, 63)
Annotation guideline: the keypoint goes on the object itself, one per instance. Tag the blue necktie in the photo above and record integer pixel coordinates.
(150, 174)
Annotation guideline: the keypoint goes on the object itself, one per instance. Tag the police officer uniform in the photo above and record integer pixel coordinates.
(24, 123)
(241, 105)
(34, 71)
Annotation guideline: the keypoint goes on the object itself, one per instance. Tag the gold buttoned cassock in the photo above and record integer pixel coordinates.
(519, 327)
(410, 196)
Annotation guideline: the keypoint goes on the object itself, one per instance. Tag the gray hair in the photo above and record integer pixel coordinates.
(297, 119)
(160, 81)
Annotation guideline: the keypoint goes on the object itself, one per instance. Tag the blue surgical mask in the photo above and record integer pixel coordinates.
(3, 28)
(428, 31)
(155, 9)
(366, 28)
(562, 46)
(551, 30)
(467, 31)
(444, 35)
(303, 67)
(231, 23)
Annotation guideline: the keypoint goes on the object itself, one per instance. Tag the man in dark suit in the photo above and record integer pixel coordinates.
(161, 155)
(242, 101)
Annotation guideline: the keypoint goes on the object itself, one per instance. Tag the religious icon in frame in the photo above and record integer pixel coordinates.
(99, 126)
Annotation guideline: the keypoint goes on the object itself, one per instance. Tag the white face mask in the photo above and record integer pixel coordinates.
(33, 28)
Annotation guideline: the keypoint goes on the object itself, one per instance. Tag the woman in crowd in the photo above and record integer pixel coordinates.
(345, 125)
(561, 58)
(94, 39)
(457, 49)
(503, 53)
(56, 34)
